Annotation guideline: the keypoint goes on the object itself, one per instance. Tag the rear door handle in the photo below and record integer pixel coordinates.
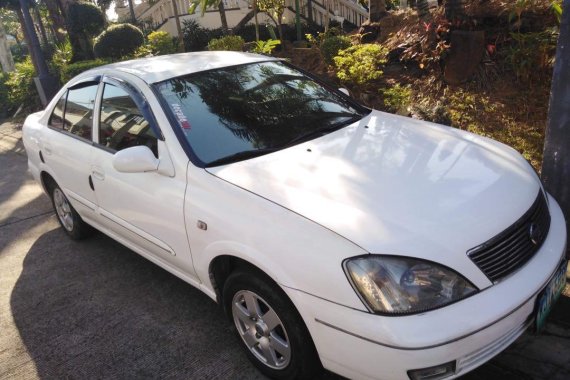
(98, 173)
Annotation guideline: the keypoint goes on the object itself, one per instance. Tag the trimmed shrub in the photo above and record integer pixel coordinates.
(233, 43)
(84, 21)
(74, 69)
(332, 45)
(360, 64)
(85, 18)
(118, 41)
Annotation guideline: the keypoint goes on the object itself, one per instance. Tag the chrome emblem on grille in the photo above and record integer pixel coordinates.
(534, 233)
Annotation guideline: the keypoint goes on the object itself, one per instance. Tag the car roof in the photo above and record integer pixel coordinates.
(157, 69)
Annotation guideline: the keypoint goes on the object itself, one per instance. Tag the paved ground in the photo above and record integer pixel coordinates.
(94, 309)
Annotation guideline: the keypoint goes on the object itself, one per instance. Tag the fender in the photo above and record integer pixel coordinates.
(295, 251)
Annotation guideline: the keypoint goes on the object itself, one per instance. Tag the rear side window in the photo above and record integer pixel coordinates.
(122, 125)
(78, 117)
(73, 112)
(56, 118)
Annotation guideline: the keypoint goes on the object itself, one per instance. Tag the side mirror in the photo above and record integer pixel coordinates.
(344, 91)
(137, 159)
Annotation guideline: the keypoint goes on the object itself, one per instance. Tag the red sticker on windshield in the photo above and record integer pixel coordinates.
(184, 123)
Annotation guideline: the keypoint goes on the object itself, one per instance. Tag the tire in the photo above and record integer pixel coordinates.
(269, 328)
(67, 217)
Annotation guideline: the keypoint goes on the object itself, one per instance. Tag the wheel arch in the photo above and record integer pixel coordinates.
(47, 181)
(223, 265)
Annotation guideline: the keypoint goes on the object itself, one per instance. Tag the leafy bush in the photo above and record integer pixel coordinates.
(397, 98)
(61, 57)
(332, 45)
(62, 54)
(19, 52)
(316, 39)
(247, 32)
(21, 87)
(531, 53)
(118, 41)
(233, 43)
(161, 43)
(196, 38)
(265, 47)
(360, 64)
(77, 68)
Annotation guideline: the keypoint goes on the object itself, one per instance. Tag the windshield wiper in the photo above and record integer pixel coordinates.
(240, 156)
(309, 135)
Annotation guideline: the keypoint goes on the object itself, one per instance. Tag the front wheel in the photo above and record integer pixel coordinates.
(269, 328)
(68, 218)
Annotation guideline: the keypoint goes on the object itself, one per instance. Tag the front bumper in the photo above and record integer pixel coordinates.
(360, 345)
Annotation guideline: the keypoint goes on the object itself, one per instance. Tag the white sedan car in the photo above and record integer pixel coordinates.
(373, 245)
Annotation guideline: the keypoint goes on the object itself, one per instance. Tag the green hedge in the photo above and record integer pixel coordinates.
(74, 69)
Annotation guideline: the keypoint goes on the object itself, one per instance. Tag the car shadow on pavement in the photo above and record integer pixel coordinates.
(94, 309)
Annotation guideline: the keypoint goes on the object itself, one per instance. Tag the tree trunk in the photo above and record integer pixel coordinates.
(40, 25)
(27, 38)
(132, 11)
(454, 9)
(423, 9)
(256, 20)
(6, 59)
(280, 30)
(376, 10)
(243, 22)
(178, 27)
(556, 163)
(223, 16)
(104, 9)
(56, 19)
(298, 21)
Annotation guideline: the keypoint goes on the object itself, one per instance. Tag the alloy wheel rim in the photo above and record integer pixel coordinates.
(261, 329)
(63, 209)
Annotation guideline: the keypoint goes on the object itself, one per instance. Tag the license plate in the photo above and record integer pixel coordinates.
(549, 295)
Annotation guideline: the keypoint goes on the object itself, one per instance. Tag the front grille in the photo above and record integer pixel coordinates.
(512, 248)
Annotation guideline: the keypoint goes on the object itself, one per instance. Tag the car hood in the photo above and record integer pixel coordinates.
(399, 186)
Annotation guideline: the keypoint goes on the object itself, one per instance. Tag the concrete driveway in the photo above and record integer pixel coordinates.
(94, 309)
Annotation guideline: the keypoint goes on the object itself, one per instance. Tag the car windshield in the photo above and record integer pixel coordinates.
(240, 112)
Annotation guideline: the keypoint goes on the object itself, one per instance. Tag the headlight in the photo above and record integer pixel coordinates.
(401, 285)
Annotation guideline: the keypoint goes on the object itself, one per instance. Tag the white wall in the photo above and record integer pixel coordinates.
(211, 20)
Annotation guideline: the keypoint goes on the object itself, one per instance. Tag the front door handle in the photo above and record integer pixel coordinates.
(98, 173)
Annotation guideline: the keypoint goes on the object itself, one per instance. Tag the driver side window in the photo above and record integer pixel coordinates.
(122, 125)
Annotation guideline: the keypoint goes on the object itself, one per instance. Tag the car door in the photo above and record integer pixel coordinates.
(66, 145)
(143, 210)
